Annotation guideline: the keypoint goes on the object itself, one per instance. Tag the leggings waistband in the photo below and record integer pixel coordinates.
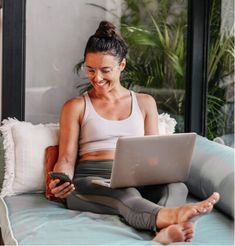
(100, 168)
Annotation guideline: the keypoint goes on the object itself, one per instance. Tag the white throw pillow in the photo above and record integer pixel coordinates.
(24, 145)
(166, 124)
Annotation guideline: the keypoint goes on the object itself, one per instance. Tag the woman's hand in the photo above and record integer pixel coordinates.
(62, 191)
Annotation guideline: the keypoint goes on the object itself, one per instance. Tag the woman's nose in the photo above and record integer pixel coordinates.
(98, 76)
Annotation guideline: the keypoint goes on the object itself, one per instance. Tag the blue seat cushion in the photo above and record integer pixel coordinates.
(35, 220)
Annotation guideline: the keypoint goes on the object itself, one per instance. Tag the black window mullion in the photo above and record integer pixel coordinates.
(196, 74)
(13, 60)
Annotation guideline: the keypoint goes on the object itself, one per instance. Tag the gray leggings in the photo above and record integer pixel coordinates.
(137, 206)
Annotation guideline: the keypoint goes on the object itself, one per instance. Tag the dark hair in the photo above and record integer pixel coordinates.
(106, 40)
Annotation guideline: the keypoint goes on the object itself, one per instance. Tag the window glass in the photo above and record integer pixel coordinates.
(156, 34)
(220, 118)
(57, 31)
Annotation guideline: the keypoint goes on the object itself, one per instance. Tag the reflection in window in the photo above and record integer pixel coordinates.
(220, 118)
(156, 35)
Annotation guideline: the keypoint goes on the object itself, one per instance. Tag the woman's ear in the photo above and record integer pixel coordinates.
(123, 64)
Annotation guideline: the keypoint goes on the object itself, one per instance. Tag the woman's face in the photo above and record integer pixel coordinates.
(103, 70)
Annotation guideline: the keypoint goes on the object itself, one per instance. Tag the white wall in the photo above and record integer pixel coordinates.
(56, 34)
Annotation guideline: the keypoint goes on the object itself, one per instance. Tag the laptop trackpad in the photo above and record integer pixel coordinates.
(102, 182)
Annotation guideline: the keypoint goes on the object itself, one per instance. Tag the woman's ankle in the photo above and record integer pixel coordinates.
(166, 217)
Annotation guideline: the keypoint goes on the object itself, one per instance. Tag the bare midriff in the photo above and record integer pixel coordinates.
(98, 155)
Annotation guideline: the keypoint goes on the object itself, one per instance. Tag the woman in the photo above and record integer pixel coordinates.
(89, 128)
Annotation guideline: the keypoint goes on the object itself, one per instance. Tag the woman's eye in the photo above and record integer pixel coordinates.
(90, 71)
(106, 71)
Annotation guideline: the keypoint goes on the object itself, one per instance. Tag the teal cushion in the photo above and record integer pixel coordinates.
(2, 171)
(213, 170)
(35, 220)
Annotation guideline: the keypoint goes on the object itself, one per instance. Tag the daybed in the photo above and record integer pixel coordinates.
(29, 218)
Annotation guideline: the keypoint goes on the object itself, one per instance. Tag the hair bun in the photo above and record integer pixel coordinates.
(105, 29)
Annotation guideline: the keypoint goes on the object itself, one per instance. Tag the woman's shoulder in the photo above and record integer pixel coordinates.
(147, 104)
(145, 99)
(76, 103)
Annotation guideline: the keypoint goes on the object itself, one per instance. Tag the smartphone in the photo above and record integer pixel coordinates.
(61, 176)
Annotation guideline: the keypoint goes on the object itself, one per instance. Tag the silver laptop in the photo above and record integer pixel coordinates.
(151, 160)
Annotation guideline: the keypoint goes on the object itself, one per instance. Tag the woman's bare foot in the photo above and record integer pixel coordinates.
(170, 216)
(176, 233)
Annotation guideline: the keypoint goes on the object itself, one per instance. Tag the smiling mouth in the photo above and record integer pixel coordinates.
(102, 83)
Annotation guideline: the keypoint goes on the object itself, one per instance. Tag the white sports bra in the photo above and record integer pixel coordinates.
(98, 133)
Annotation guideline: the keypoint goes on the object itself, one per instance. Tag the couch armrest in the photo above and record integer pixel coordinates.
(213, 170)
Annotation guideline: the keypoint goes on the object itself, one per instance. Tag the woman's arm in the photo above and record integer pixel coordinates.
(71, 116)
(148, 108)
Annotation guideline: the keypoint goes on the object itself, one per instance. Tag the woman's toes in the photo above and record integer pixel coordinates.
(215, 197)
(188, 226)
(195, 212)
(189, 236)
(188, 232)
(201, 209)
(189, 240)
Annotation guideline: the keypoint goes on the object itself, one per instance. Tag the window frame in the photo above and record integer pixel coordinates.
(13, 59)
(13, 68)
(196, 66)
